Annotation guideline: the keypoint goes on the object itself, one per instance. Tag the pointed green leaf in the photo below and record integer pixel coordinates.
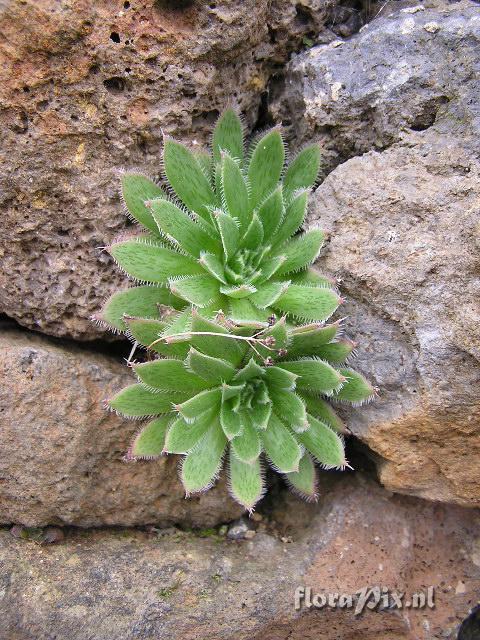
(314, 374)
(268, 268)
(293, 220)
(187, 179)
(136, 401)
(271, 212)
(199, 290)
(178, 323)
(182, 436)
(226, 348)
(301, 251)
(136, 189)
(281, 379)
(195, 406)
(229, 233)
(169, 375)
(321, 410)
(244, 311)
(304, 481)
(178, 226)
(279, 332)
(230, 391)
(268, 293)
(204, 159)
(203, 462)
(336, 352)
(249, 371)
(137, 301)
(234, 191)
(313, 277)
(302, 172)
(228, 136)
(309, 340)
(265, 167)
(213, 265)
(261, 415)
(246, 446)
(324, 444)
(230, 420)
(213, 370)
(149, 442)
(245, 481)
(356, 389)
(292, 409)
(145, 331)
(280, 446)
(280, 339)
(253, 237)
(308, 303)
(238, 292)
(152, 263)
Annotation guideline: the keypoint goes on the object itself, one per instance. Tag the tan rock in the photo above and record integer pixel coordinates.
(111, 584)
(404, 241)
(62, 452)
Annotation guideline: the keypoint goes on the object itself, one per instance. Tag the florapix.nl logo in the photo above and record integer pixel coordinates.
(374, 598)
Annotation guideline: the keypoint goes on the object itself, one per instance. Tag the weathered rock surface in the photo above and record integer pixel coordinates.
(88, 88)
(61, 459)
(129, 585)
(405, 228)
(402, 72)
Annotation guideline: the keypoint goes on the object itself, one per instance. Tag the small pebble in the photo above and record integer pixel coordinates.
(431, 27)
(238, 529)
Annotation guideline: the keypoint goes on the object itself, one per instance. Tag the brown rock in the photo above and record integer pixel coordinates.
(88, 89)
(62, 452)
(109, 584)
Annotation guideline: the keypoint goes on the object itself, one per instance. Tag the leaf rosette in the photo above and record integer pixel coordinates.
(225, 231)
(258, 392)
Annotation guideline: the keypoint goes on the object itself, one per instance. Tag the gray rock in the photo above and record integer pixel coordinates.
(404, 244)
(406, 71)
(239, 529)
(62, 453)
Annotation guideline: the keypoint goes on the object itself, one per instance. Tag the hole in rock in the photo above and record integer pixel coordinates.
(115, 37)
(428, 114)
(126, 5)
(176, 5)
(115, 84)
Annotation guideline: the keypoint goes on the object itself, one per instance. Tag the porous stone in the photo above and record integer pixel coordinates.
(62, 453)
(89, 88)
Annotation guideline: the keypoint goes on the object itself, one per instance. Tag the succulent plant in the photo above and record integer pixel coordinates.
(223, 232)
(220, 257)
(250, 389)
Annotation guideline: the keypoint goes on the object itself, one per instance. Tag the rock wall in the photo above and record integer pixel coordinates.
(91, 87)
